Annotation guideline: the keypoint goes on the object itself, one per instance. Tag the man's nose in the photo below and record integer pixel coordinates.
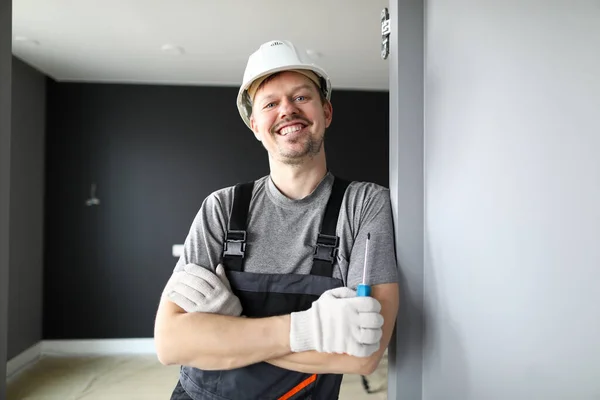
(287, 108)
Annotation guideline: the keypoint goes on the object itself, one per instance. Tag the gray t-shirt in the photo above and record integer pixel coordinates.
(281, 233)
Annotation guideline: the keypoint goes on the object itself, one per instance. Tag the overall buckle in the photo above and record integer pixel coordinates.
(235, 244)
(326, 248)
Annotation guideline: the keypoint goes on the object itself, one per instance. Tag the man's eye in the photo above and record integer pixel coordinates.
(269, 105)
(300, 98)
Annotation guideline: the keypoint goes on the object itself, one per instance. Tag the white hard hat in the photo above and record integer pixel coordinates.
(276, 56)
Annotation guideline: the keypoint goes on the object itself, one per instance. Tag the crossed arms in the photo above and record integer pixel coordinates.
(219, 342)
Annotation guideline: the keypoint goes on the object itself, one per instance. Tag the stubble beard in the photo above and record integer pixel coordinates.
(310, 149)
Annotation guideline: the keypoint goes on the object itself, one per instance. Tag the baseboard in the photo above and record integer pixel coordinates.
(23, 360)
(98, 347)
(78, 348)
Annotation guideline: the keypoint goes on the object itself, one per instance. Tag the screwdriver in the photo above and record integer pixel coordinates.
(364, 290)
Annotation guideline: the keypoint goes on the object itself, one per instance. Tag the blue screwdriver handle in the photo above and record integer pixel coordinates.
(363, 290)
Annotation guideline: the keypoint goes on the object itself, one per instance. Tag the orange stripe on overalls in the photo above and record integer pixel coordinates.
(299, 387)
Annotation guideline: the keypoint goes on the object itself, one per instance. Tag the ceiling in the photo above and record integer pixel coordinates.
(207, 42)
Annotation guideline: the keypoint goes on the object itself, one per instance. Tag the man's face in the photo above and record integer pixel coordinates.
(289, 118)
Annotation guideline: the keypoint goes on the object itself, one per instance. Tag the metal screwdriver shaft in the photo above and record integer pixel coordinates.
(364, 280)
(364, 289)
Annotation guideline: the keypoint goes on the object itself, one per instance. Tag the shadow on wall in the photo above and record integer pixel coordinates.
(445, 370)
(410, 316)
(444, 363)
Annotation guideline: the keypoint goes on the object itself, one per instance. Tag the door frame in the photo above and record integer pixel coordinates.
(5, 139)
(406, 91)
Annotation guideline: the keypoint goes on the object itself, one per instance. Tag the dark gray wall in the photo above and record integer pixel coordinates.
(26, 207)
(155, 152)
(5, 99)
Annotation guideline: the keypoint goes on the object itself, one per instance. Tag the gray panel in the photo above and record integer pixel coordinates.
(28, 119)
(406, 186)
(5, 85)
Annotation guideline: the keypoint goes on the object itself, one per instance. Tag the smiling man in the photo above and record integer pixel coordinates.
(302, 133)
(262, 304)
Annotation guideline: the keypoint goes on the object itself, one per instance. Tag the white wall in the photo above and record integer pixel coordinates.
(512, 197)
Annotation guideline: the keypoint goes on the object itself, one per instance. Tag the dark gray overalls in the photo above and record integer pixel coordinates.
(265, 295)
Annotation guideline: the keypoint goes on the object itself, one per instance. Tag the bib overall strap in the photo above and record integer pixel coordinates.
(234, 248)
(328, 242)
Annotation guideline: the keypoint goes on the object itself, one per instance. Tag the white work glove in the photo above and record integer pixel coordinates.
(197, 289)
(338, 322)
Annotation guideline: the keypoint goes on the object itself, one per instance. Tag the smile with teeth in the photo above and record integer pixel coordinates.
(290, 129)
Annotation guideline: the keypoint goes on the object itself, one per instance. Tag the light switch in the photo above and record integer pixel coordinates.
(177, 250)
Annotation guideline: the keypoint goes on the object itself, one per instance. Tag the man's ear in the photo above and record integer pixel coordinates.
(254, 128)
(328, 110)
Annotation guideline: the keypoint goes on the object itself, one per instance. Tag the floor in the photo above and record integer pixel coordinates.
(132, 378)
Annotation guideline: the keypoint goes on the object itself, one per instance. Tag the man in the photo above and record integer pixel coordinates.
(262, 303)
